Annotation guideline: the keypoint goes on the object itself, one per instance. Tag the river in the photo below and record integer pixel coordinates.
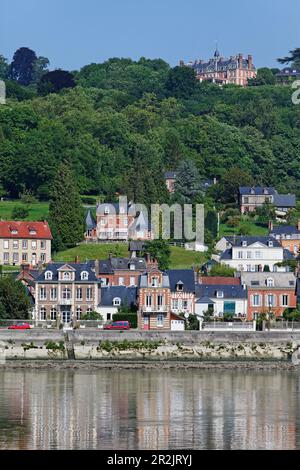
(149, 409)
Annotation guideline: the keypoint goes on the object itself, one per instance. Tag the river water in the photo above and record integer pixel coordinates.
(149, 409)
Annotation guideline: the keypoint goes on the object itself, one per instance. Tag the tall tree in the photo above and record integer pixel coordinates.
(181, 82)
(187, 184)
(159, 250)
(65, 209)
(53, 82)
(3, 67)
(294, 58)
(14, 300)
(40, 68)
(22, 67)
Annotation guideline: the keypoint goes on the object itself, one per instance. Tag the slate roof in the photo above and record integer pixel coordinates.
(90, 222)
(284, 229)
(258, 190)
(128, 295)
(238, 240)
(186, 276)
(143, 279)
(137, 245)
(125, 263)
(289, 72)
(78, 268)
(223, 64)
(23, 229)
(114, 208)
(229, 292)
(259, 279)
(170, 175)
(285, 200)
(287, 254)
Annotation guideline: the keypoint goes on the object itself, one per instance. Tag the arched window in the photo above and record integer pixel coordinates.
(270, 282)
(43, 313)
(84, 275)
(89, 310)
(53, 314)
(48, 275)
(66, 276)
(117, 301)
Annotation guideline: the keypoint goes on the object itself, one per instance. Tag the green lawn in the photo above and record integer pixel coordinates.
(37, 210)
(254, 229)
(180, 258)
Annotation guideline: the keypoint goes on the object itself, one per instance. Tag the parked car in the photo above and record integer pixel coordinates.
(20, 326)
(118, 325)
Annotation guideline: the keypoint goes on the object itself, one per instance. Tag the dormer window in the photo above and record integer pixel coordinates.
(252, 191)
(106, 210)
(266, 191)
(32, 231)
(270, 282)
(179, 286)
(244, 243)
(84, 276)
(270, 244)
(132, 267)
(14, 231)
(117, 302)
(66, 276)
(154, 282)
(220, 294)
(48, 275)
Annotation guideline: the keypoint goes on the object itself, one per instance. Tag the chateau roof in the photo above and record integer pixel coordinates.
(77, 268)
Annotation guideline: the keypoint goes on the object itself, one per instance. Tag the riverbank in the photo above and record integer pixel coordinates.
(91, 365)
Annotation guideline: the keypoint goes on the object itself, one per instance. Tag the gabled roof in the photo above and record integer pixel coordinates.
(125, 263)
(24, 229)
(259, 279)
(238, 240)
(284, 229)
(229, 292)
(78, 268)
(258, 190)
(90, 222)
(285, 200)
(143, 278)
(184, 276)
(127, 295)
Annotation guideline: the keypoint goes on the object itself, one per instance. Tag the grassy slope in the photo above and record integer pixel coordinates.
(180, 258)
(37, 211)
(255, 229)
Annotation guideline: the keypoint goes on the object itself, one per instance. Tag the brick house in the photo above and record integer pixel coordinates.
(154, 300)
(120, 271)
(288, 236)
(269, 292)
(182, 288)
(253, 197)
(235, 69)
(170, 178)
(25, 243)
(68, 289)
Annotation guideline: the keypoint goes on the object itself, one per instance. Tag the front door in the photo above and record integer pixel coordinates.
(146, 322)
(66, 315)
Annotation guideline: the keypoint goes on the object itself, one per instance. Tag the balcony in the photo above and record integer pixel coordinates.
(65, 301)
(155, 309)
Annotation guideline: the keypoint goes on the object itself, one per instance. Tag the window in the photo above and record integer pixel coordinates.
(53, 293)
(24, 257)
(270, 300)
(15, 244)
(121, 281)
(117, 302)
(240, 254)
(43, 257)
(66, 276)
(179, 286)
(6, 257)
(84, 275)
(270, 282)
(33, 245)
(285, 300)
(257, 254)
(125, 222)
(106, 210)
(103, 221)
(43, 294)
(89, 310)
(248, 267)
(270, 244)
(154, 282)
(43, 245)
(184, 304)
(48, 275)
(79, 293)
(148, 300)
(66, 293)
(160, 320)
(6, 244)
(53, 314)
(244, 243)
(175, 304)
(24, 244)
(78, 313)
(159, 300)
(220, 294)
(43, 313)
(15, 258)
(246, 200)
(249, 255)
(32, 231)
(132, 281)
(89, 293)
(256, 300)
(108, 316)
(132, 267)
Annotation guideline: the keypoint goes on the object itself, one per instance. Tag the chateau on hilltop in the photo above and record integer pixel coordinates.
(235, 69)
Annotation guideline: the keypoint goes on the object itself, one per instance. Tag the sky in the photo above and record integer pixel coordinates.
(73, 33)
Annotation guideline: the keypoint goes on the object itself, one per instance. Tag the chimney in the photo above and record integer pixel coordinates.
(148, 258)
(271, 225)
(298, 226)
(25, 268)
(250, 62)
(240, 61)
(96, 267)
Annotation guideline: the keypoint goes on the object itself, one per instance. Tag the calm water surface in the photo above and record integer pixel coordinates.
(149, 409)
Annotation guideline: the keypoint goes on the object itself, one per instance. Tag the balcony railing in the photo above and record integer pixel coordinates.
(155, 309)
(65, 301)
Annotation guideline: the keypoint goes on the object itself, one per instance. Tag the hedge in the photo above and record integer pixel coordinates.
(131, 317)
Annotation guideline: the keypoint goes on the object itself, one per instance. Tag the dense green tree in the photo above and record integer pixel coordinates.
(3, 67)
(211, 223)
(65, 210)
(14, 300)
(222, 270)
(181, 82)
(22, 67)
(293, 58)
(228, 188)
(160, 251)
(53, 82)
(187, 183)
(264, 76)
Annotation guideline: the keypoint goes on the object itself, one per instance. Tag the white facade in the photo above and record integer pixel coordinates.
(106, 312)
(218, 307)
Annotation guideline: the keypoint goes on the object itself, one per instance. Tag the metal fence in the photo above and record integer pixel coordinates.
(49, 324)
(228, 326)
(283, 325)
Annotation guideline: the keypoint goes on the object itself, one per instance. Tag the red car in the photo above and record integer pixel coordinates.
(118, 325)
(20, 326)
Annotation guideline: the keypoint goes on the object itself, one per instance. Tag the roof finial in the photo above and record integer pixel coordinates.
(217, 53)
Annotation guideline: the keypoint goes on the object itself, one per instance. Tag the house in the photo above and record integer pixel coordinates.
(269, 292)
(221, 299)
(117, 222)
(28, 277)
(253, 197)
(70, 290)
(288, 236)
(114, 297)
(182, 288)
(213, 280)
(154, 300)
(288, 75)
(234, 69)
(245, 253)
(170, 178)
(120, 271)
(25, 243)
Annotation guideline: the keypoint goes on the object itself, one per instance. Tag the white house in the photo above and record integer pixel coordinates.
(251, 253)
(221, 299)
(114, 297)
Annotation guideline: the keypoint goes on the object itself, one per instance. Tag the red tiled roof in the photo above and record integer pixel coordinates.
(225, 281)
(23, 229)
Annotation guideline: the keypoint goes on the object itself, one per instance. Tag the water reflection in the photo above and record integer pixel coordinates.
(149, 410)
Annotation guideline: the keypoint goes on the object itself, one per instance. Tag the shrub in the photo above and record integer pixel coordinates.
(131, 317)
(55, 346)
(19, 213)
(88, 200)
(92, 316)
